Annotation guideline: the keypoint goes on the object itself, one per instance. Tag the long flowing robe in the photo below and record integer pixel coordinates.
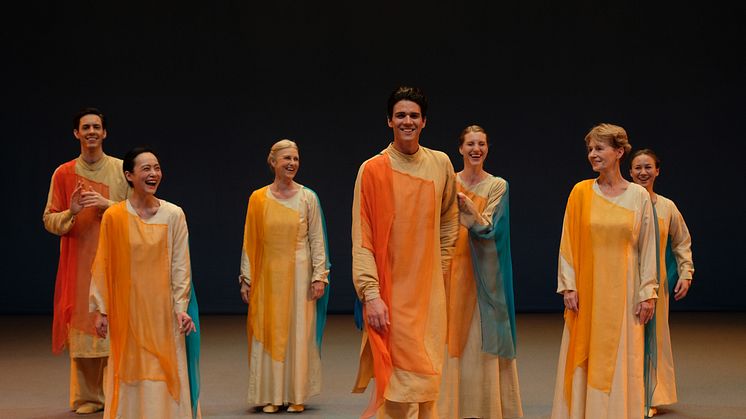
(284, 251)
(141, 280)
(72, 324)
(607, 255)
(676, 250)
(404, 226)
(481, 355)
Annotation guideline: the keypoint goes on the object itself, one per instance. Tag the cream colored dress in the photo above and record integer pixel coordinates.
(671, 226)
(479, 384)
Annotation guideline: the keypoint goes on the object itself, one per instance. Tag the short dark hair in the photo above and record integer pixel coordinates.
(88, 111)
(128, 162)
(412, 94)
(647, 152)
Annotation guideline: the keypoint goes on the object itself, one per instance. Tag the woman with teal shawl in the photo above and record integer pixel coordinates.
(676, 270)
(284, 270)
(480, 376)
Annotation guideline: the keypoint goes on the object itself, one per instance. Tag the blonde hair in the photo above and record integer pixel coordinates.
(610, 134)
(472, 128)
(277, 147)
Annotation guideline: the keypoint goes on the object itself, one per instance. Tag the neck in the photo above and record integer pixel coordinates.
(408, 147)
(611, 177)
(91, 156)
(653, 195)
(141, 200)
(472, 174)
(283, 184)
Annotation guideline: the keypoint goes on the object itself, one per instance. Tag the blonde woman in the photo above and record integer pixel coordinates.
(607, 276)
(284, 270)
(480, 376)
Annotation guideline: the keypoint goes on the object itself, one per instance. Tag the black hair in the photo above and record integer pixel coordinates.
(128, 163)
(412, 94)
(88, 111)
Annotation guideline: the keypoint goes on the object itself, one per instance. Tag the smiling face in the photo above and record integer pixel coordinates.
(286, 163)
(407, 122)
(644, 171)
(90, 132)
(146, 174)
(474, 148)
(603, 156)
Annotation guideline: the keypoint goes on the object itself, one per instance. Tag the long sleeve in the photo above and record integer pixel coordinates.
(565, 268)
(482, 222)
(681, 244)
(364, 271)
(181, 271)
(449, 220)
(57, 220)
(646, 247)
(245, 272)
(316, 238)
(98, 293)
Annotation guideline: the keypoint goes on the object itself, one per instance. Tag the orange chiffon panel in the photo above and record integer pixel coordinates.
(77, 250)
(599, 232)
(461, 289)
(270, 236)
(134, 261)
(412, 251)
(377, 217)
(400, 234)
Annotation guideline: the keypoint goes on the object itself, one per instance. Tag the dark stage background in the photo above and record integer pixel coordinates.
(211, 87)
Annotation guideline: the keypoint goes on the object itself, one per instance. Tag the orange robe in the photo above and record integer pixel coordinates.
(73, 324)
(404, 225)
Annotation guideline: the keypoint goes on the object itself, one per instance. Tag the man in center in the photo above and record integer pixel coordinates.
(404, 227)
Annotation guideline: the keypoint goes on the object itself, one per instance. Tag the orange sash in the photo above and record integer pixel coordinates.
(461, 290)
(595, 240)
(77, 250)
(133, 266)
(270, 236)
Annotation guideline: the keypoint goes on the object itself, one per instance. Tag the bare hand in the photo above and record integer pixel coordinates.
(102, 325)
(245, 292)
(90, 198)
(317, 289)
(571, 300)
(186, 325)
(75, 205)
(377, 315)
(681, 289)
(466, 205)
(645, 310)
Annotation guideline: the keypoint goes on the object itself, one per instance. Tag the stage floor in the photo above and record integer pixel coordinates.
(709, 351)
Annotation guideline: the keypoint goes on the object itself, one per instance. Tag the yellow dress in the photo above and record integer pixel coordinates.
(607, 254)
(283, 254)
(141, 279)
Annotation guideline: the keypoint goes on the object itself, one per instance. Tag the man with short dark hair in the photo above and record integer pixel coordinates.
(80, 191)
(404, 227)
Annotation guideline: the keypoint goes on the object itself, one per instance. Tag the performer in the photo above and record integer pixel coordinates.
(607, 275)
(480, 377)
(142, 293)
(676, 270)
(80, 191)
(404, 225)
(284, 273)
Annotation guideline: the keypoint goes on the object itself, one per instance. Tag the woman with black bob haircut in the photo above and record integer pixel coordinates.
(142, 293)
